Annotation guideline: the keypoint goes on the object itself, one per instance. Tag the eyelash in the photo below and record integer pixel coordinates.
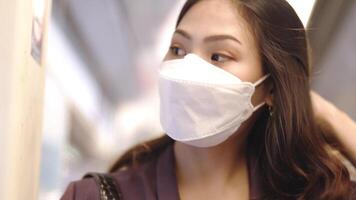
(224, 57)
(173, 50)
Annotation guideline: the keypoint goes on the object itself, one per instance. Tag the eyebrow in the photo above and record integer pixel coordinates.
(209, 38)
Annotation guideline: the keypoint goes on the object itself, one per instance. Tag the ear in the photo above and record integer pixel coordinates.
(269, 95)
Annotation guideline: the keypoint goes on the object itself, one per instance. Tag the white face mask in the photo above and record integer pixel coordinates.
(201, 104)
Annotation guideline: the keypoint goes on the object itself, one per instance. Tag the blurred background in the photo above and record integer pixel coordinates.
(101, 95)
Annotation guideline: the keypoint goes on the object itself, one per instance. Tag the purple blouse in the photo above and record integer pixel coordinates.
(154, 180)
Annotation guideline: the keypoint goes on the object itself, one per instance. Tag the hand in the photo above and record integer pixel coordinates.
(338, 128)
(323, 113)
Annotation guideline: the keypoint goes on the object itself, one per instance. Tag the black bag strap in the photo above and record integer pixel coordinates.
(107, 186)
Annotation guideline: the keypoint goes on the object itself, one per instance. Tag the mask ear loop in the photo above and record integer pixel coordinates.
(258, 106)
(261, 80)
(256, 84)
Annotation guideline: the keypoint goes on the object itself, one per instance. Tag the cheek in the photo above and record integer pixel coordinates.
(167, 56)
(244, 71)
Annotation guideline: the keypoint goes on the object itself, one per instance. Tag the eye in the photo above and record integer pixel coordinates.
(219, 57)
(177, 51)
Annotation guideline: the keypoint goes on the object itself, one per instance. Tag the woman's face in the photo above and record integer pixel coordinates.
(214, 30)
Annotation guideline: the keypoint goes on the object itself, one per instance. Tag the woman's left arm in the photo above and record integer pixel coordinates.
(336, 124)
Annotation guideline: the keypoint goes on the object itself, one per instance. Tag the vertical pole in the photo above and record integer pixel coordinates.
(21, 99)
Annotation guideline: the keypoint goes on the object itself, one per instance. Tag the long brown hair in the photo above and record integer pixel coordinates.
(293, 161)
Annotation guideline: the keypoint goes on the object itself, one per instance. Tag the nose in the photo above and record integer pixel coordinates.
(198, 52)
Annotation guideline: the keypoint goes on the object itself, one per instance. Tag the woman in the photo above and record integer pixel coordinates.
(237, 111)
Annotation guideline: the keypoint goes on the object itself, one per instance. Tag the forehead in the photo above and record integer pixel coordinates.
(215, 17)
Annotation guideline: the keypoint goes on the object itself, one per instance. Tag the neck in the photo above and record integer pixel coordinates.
(221, 164)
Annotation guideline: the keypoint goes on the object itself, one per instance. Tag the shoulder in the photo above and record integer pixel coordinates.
(133, 183)
(137, 182)
(141, 181)
(81, 189)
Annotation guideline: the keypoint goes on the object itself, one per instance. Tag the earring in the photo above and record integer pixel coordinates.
(270, 111)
